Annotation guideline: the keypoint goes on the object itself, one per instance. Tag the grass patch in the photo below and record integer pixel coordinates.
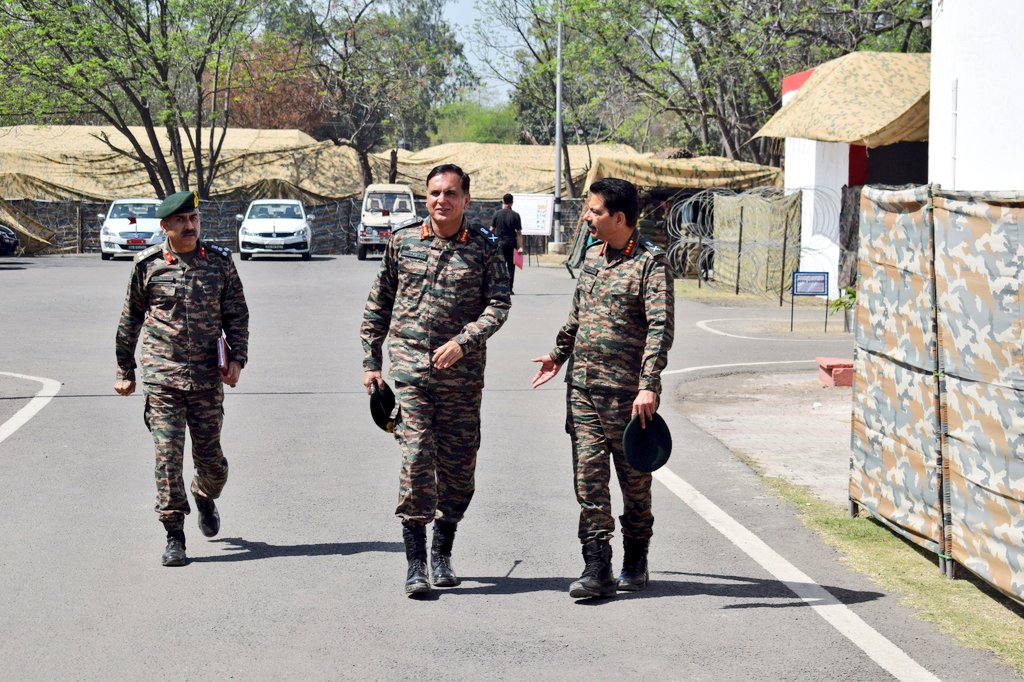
(968, 609)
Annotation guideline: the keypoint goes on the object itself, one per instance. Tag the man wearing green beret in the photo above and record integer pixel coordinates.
(184, 296)
(617, 338)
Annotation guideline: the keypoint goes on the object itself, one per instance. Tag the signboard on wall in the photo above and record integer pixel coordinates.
(535, 211)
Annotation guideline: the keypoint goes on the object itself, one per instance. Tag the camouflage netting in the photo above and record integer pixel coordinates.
(700, 173)
(757, 238)
(938, 427)
(71, 163)
(979, 270)
(895, 466)
(703, 172)
(866, 98)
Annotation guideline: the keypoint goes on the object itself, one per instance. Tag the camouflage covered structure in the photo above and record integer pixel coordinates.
(938, 416)
(757, 241)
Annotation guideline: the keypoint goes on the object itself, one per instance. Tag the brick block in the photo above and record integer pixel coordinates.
(835, 371)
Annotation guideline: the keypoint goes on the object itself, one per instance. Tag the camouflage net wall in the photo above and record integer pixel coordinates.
(938, 419)
(722, 236)
(74, 226)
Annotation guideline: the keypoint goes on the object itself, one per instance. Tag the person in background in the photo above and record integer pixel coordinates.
(508, 227)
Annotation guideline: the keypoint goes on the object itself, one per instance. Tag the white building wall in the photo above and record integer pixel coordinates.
(977, 95)
(818, 170)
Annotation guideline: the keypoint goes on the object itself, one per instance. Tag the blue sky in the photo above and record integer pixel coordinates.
(461, 14)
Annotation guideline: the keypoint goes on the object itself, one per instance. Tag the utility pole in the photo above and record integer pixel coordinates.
(558, 138)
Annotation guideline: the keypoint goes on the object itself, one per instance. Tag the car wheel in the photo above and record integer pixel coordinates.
(361, 252)
(307, 256)
(106, 256)
(246, 256)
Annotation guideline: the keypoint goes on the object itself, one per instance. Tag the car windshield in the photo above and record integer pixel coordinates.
(394, 202)
(137, 210)
(291, 211)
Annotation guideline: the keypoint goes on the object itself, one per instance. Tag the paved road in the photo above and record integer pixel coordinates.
(305, 580)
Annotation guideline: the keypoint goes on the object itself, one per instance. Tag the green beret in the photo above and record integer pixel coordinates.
(179, 202)
(647, 449)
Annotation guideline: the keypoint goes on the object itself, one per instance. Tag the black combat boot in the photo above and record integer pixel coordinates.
(416, 552)
(174, 554)
(441, 554)
(634, 574)
(209, 517)
(596, 580)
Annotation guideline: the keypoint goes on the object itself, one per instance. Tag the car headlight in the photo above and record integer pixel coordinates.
(106, 232)
(246, 232)
(302, 231)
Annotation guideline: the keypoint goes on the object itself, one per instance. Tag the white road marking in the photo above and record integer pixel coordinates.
(705, 325)
(685, 370)
(890, 657)
(50, 388)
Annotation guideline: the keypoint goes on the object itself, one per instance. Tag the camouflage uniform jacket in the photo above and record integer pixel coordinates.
(182, 309)
(622, 319)
(429, 291)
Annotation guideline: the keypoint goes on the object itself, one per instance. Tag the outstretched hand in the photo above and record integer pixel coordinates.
(548, 370)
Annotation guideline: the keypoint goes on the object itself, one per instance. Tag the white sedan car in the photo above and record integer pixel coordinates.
(275, 226)
(129, 226)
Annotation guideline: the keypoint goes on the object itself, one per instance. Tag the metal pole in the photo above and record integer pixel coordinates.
(558, 134)
(739, 253)
(782, 276)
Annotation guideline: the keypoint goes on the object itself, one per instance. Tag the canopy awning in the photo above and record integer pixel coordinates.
(866, 98)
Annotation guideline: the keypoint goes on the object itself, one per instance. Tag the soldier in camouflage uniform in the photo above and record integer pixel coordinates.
(441, 292)
(617, 340)
(181, 295)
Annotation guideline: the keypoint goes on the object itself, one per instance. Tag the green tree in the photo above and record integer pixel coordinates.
(467, 121)
(384, 68)
(163, 65)
(705, 73)
(717, 65)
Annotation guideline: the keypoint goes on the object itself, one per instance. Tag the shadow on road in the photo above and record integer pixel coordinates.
(248, 550)
(746, 588)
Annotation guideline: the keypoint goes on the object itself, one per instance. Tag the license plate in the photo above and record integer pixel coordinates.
(275, 246)
(136, 247)
(136, 241)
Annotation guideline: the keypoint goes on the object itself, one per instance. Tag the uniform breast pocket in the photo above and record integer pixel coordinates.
(163, 292)
(461, 276)
(412, 268)
(624, 300)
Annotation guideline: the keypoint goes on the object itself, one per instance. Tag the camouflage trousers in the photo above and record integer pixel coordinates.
(597, 420)
(168, 412)
(438, 431)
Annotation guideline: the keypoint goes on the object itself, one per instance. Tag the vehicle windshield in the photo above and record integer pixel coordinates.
(275, 211)
(137, 210)
(393, 202)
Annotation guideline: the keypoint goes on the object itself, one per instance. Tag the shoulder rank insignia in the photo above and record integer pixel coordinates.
(486, 234)
(221, 251)
(148, 253)
(652, 248)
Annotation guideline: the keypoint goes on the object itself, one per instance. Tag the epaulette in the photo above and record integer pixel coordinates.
(222, 251)
(650, 247)
(148, 253)
(482, 231)
(412, 222)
